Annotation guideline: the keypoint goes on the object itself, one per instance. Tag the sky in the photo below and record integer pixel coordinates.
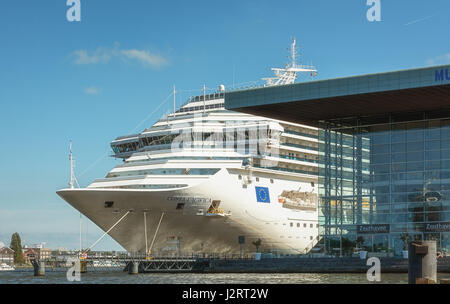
(105, 76)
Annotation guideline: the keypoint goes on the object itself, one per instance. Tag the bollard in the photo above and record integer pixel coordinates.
(133, 268)
(39, 268)
(83, 266)
(422, 263)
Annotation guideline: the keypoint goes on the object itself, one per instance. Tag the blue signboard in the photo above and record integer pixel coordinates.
(262, 194)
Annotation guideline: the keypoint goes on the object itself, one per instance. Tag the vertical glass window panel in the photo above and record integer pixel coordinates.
(414, 146)
(433, 186)
(414, 135)
(416, 227)
(433, 133)
(398, 157)
(414, 187)
(399, 148)
(380, 169)
(415, 176)
(399, 217)
(433, 145)
(400, 208)
(445, 132)
(416, 217)
(415, 197)
(432, 155)
(415, 166)
(416, 207)
(380, 158)
(382, 189)
(432, 175)
(434, 206)
(433, 216)
(381, 177)
(445, 144)
(445, 164)
(430, 165)
(445, 216)
(399, 167)
(382, 198)
(445, 154)
(399, 198)
(379, 138)
(398, 136)
(378, 149)
(399, 188)
(414, 156)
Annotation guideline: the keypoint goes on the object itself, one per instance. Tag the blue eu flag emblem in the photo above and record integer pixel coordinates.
(262, 194)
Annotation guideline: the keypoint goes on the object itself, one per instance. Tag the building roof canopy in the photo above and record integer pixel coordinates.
(418, 90)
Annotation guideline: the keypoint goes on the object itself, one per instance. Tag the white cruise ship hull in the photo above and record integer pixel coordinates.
(281, 229)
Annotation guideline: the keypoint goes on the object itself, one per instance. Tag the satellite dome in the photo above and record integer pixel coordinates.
(222, 88)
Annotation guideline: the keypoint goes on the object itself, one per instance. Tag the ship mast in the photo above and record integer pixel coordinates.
(73, 179)
(288, 75)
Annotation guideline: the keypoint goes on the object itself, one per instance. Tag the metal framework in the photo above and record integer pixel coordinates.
(288, 75)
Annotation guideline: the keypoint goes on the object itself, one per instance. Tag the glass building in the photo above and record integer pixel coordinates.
(384, 154)
(381, 180)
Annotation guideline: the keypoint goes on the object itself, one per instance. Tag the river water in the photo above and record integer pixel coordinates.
(116, 276)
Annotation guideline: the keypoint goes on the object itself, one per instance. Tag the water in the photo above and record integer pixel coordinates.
(119, 277)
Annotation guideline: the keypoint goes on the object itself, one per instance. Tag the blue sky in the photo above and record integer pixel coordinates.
(94, 80)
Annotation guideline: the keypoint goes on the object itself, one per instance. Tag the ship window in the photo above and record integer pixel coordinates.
(298, 224)
(304, 225)
(311, 225)
(271, 181)
(317, 225)
(109, 204)
(257, 179)
(244, 186)
(239, 176)
(180, 206)
(292, 224)
(310, 238)
(312, 184)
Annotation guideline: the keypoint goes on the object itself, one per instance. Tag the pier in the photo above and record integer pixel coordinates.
(235, 264)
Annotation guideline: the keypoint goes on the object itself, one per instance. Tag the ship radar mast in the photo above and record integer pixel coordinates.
(288, 75)
(73, 179)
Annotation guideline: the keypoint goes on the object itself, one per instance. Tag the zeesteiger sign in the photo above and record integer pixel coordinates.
(375, 228)
(438, 227)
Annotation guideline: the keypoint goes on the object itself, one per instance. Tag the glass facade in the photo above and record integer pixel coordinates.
(382, 181)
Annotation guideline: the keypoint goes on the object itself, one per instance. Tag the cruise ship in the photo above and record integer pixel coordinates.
(204, 179)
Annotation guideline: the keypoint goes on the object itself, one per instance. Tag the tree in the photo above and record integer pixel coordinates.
(257, 243)
(16, 245)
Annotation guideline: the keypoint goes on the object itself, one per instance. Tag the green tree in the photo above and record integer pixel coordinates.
(16, 245)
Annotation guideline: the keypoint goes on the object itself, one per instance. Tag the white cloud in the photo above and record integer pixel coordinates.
(100, 55)
(444, 59)
(92, 90)
(144, 57)
(104, 55)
